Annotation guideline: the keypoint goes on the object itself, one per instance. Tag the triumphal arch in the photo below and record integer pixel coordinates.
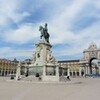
(89, 54)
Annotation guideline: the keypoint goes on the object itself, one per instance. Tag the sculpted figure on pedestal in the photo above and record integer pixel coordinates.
(44, 33)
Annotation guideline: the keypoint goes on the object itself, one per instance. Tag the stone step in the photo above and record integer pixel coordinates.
(63, 78)
(30, 78)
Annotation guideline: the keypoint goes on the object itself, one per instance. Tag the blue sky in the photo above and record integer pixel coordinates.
(72, 24)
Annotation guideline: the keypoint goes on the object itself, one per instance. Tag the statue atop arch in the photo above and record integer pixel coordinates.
(44, 32)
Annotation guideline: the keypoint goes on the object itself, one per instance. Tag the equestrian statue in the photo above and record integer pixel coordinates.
(44, 33)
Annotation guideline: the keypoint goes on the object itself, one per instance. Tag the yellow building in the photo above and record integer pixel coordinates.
(8, 67)
(72, 65)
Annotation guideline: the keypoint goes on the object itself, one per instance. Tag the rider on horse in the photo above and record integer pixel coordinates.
(44, 33)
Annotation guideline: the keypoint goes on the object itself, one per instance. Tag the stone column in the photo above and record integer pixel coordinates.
(68, 71)
(44, 78)
(88, 70)
(57, 70)
(85, 70)
(44, 70)
(26, 74)
(4, 73)
(18, 71)
(76, 73)
(80, 69)
(72, 73)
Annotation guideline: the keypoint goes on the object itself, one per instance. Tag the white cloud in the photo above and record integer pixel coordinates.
(80, 41)
(22, 35)
(8, 52)
(2, 20)
(59, 24)
(11, 10)
(61, 33)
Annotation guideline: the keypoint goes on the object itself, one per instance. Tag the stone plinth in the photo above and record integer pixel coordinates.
(44, 63)
(50, 76)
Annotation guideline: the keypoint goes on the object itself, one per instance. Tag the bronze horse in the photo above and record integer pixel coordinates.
(44, 33)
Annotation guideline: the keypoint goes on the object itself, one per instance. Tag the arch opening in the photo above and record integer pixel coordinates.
(93, 65)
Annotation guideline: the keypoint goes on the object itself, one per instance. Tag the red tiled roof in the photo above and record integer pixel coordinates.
(7, 60)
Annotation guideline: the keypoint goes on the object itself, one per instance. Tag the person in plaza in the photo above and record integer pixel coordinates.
(68, 78)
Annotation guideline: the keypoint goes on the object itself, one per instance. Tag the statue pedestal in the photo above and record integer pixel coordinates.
(50, 75)
(44, 63)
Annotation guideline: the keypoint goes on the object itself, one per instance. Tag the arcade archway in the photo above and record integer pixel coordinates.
(90, 54)
(94, 67)
(90, 64)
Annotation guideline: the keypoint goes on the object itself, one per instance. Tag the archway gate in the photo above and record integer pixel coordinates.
(89, 55)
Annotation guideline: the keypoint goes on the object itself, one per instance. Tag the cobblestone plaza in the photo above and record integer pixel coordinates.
(76, 89)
